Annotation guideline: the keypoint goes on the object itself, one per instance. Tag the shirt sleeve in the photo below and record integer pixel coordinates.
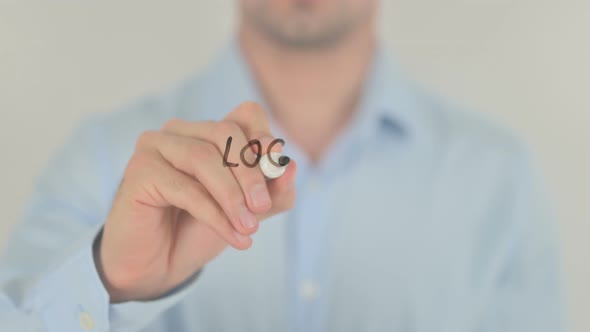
(48, 279)
(525, 279)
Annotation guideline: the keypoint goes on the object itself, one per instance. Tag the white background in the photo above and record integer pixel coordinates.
(524, 61)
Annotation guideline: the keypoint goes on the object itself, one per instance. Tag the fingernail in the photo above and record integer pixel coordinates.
(259, 196)
(247, 219)
(241, 237)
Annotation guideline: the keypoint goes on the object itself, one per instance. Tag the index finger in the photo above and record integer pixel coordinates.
(253, 120)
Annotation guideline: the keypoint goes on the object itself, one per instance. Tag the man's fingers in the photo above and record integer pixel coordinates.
(203, 161)
(236, 152)
(247, 123)
(170, 187)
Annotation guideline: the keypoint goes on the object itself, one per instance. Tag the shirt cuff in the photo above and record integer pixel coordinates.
(72, 297)
(138, 314)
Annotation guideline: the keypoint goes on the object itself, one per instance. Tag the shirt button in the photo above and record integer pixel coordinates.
(309, 290)
(86, 321)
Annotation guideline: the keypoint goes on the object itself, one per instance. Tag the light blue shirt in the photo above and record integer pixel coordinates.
(421, 217)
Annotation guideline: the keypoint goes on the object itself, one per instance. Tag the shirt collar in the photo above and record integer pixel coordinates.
(388, 102)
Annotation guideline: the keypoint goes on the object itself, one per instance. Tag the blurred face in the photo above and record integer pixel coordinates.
(307, 23)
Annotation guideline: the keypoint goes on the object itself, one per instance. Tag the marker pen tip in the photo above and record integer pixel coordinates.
(284, 160)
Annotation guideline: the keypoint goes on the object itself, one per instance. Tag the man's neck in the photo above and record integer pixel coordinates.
(311, 93)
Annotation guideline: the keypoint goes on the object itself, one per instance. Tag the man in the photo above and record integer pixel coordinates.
(410, 215)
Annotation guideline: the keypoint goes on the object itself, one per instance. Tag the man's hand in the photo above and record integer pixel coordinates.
(178, 207)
